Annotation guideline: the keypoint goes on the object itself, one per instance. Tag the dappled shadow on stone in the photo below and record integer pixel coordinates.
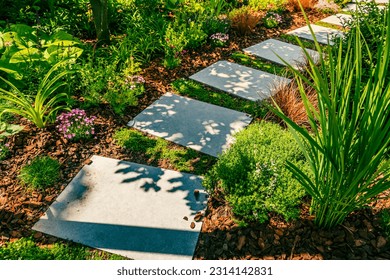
(203, 127)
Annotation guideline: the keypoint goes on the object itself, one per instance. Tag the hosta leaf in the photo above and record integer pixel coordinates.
(25, 55)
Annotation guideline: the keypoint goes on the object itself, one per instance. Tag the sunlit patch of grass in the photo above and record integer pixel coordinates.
(198, 91)
(158, 150)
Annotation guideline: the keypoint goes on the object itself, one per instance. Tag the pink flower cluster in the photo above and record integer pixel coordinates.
(134, 79)
(221, 37)
(75, 124)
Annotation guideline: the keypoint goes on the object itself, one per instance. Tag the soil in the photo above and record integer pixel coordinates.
(359, 237)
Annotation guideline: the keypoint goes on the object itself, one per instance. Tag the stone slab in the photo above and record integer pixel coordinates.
(273, 49)
(338, 19)
(238, 80)
(129, 209)
(321, 33)
(198, 125)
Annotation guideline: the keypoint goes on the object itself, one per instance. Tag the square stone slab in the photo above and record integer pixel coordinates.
(271, 49)
(198, 125)
(242, 81)
(134, 210)
(338, 19)
(321, 33)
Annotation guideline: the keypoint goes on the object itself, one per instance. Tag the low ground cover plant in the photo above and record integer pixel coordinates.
(40, 173)
(253, 177)
(27, 249)
(161, 150)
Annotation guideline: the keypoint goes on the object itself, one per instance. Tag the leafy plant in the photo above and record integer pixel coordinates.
(272, 20)
(385, 218)
(174, 43)
(350, 130)
(266, 4)
(219, 39)
(123, 91)
(23, 45)
(4, 151)
(252, 173)
(41, 108)
(42, 172)
(75, 125)
(369, 20)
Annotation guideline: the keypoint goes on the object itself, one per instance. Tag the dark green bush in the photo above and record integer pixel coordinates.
(253, 176)
(40, 173)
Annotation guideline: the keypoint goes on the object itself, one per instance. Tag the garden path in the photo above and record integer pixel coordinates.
(144, 212)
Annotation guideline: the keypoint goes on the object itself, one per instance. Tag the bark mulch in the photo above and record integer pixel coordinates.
(360, 236)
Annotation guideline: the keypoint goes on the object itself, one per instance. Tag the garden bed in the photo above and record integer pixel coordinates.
(360, 237)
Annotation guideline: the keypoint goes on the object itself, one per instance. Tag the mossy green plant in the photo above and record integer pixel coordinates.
(197, 91)
(40, 173)
(157, 150)
(28, 249)
(262, 65)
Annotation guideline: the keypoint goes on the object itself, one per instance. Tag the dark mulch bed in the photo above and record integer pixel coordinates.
(360, 237)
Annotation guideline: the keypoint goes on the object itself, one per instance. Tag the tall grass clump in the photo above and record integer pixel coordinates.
(350, 128)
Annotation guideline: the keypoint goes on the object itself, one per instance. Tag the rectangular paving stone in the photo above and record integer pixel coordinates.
(133, 210)
(242, 81)
(321, 33)
(337, 19)
(273, 49)
(198, 125)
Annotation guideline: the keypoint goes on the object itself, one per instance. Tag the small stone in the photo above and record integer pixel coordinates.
(185, 218)
(241, 242)
(261, 243)
(15, 234)
(225, 247)
(38, 235)
(328, 242)
(359, 243)
(198, 217)
(381, 242)
(192, 225)
(228, 236)
(279, 232)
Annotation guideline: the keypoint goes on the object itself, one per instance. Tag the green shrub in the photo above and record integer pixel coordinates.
(253, 176)
(40, 173)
